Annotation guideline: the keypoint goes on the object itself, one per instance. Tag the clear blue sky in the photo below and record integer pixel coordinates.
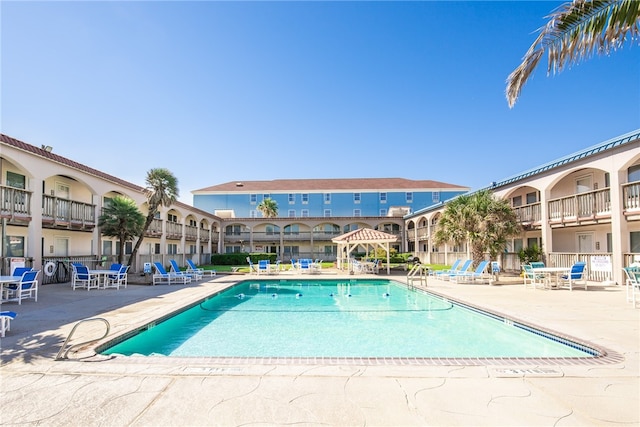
(226, 91)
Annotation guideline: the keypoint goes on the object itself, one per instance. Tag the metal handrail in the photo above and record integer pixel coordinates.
(106, 322)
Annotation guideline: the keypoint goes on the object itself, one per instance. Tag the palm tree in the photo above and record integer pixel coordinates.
(479, 219)
(121, 218)
(268, 207)
(575, 31)
(161, 190)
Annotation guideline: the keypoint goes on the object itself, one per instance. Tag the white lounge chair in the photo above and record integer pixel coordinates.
(5, 321)
(632, 283)
(193, 269)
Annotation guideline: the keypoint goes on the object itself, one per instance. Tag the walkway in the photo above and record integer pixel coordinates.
(162, 391)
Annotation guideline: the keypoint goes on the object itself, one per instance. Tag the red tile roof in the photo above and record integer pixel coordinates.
(334, 185)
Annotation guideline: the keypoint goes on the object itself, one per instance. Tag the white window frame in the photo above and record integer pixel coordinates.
(409, 196)
(357, 213)
(357, 198)
(327, 198)
(327, 213)
(383, 197)
(305, 198)
(291, 213)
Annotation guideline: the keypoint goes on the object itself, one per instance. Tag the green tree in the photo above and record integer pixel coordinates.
(161, 190)
(481, 220)
(576, 31)
(121, 218)
(268, 207)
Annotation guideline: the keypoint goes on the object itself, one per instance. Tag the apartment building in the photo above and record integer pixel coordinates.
(311, 212)
(584, 206)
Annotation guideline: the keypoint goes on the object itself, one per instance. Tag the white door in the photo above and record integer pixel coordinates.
(61, 246)
(585, 243)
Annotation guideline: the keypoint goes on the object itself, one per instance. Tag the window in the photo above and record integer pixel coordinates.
(232, 249)
(516, 201)
(292, 213)
(327, 213)
(305, 198)
(156, 248)
(383, 197)
(253, 199)
(172, 218)
(357, 197)
(107, 247)
(633, 173)
(435, 196)
(292, 198)
(532, 197)
(192, 249)
(15, 246)
(128, 248)
(253, 213)
(383, 212)
(266, 196)
(356, 212)
(172, 249)
(291, 251)
(15, 180)
(292, 229)
(327, 198)
(304, 213)
(193, 223)
(409, 197)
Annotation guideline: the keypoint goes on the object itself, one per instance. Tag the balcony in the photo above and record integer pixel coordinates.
(530, 216)
(16, 205)
(325, 236)
(631, 200)
(584, 208)
(266, 236)
(174, 230)
(67, 214)
(204, 235)
(155, 229)
(190, 233)
(296, 236)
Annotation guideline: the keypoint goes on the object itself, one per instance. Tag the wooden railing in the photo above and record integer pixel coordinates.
(588, 205)
(173, 230)
(15, 204)
(57, 212)
(191, 233)
(529, 214)
(155, 229)
(631, 196)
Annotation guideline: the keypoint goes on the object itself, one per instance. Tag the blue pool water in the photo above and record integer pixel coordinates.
(333, 318)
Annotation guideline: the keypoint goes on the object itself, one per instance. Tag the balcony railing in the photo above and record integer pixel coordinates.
(529, 214)
(591, 205)
(65, 213)
(190, 233)
(204, 235)
(325, 235)
(15, 204)
(155, 229)
(264, 236)
(631, 197)
(174, 230)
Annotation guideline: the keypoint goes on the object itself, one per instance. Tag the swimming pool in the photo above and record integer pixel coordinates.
(339, 318)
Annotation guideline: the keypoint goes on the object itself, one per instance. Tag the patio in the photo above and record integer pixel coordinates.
(163, 391)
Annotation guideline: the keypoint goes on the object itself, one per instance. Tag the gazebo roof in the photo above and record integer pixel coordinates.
(365, 235)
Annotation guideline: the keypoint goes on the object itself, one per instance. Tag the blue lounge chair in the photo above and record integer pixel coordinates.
(471, 276)
(192, 268)
(5, 321)
(463, 269)
(454, 267)
(175, 269)
(576, 277)
(161, 276)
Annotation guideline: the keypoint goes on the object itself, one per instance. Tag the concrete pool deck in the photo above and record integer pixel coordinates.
(36, 389)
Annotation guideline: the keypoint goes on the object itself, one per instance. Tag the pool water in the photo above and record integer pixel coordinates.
(337, 318)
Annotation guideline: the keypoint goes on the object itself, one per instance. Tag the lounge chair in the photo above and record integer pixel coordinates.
(576, 277)
(5, 321)
(192, 268)
(83, 279)
(463, 269)
(305, 265)
(454, 267)
(161, 276)
(471, 276)
(175, 270)
(633, 284)
(252, 267)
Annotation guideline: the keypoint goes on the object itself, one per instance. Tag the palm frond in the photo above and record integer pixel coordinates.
(576, 31)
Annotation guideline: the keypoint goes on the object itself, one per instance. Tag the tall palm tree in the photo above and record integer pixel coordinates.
(575, 31)
(481, 220)
(161, 190)
(121, 218)
(268, 207)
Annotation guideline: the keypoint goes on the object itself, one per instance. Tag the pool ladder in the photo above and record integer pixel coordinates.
(62, 354)
(419, 272)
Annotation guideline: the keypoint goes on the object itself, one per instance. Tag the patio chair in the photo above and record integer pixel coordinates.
(192, 268)
(306, 265)
(536, 264)
(252, 267)
(632, 283)
(576, 277)
(461, 270)
(119, 278)
(26, 288)
(531, 278)
(5, 321)
(264, 266)
(83, 279)
(471, 276)
(19, 271)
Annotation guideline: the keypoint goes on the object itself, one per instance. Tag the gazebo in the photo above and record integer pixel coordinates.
(366, 237)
